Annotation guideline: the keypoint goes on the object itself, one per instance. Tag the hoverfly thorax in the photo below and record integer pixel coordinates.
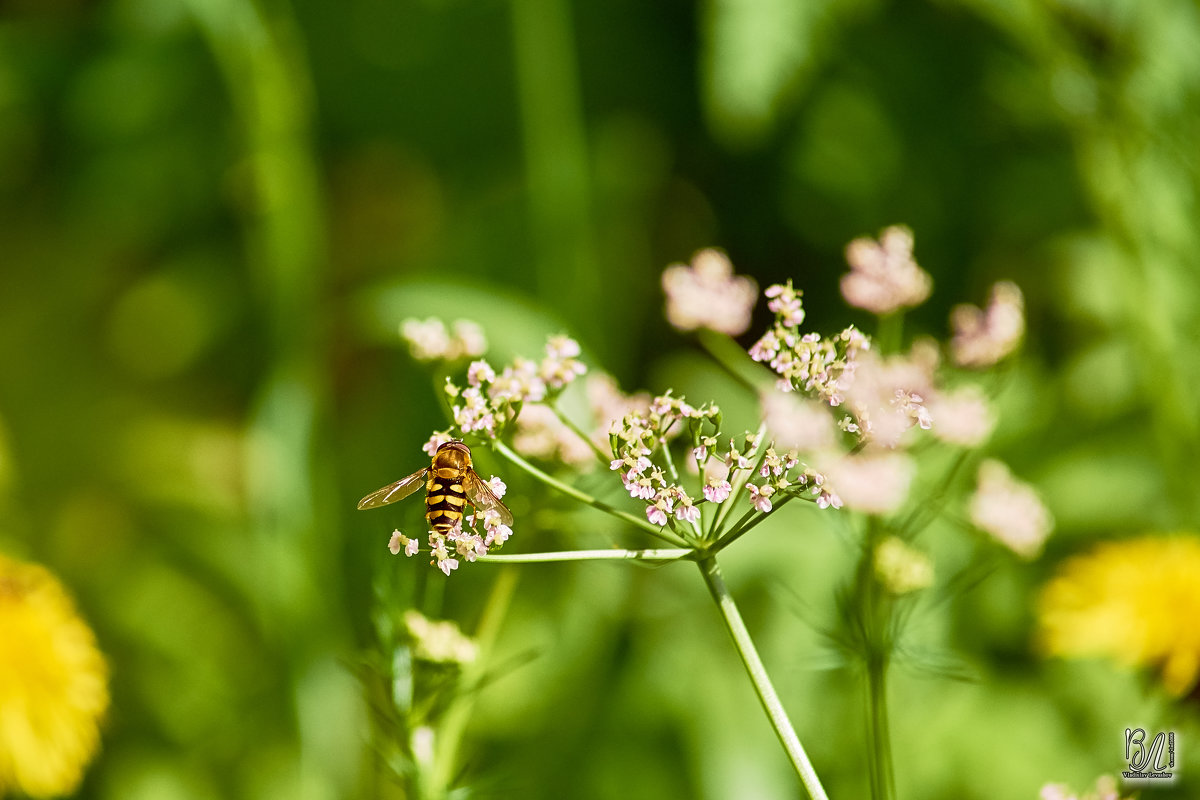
(452, 458)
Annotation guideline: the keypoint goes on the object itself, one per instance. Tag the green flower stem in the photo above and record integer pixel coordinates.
(453, 728)
(875, 615)
(666, 451)
(570, 491)
(733, 532)
(889, 333)
(661, 555)
(738, 483)
(762, 681)
(882, 774)
(565, 420)
(743, 525)
(931, 508)
(440, 374)
(699, 533)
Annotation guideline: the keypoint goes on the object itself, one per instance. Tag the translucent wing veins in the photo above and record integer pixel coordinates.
(484, 499)
(394, 491)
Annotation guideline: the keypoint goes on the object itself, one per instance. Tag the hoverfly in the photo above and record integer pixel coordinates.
(451, 484)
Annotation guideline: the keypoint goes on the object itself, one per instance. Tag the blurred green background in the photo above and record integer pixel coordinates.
(215, 213)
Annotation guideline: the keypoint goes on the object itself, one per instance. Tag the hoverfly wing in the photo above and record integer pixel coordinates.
(483, 498)
(394, 491)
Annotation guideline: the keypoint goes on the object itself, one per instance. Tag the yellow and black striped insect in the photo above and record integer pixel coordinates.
(450, 483)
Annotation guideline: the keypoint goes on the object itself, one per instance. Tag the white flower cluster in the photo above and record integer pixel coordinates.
(638, 435)
(1010, 510)
(982, 337)
(877, 398)
(430, 340)
(490, 401)
(472, 536)
(806, 362)
(438, 642)
(883, 276)
(901, 568)
(708, 295)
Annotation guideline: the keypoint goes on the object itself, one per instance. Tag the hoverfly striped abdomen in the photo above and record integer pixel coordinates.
(444, 500)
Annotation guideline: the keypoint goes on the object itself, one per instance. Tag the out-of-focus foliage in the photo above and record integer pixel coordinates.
(215, 213)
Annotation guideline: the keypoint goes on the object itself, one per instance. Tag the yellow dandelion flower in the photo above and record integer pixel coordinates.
(1136, 601)
(53, 685)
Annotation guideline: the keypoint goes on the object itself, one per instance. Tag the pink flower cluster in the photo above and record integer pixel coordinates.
(708, 295)
(1009, 510)
(490, 401)
(777, 470)
(808, 363)
(541, 433)
(882, 397)
(883, 276)
(638, 436)
(873, 482)
(797, 422)
(784, 301)
(481, 533)
(887, 396)
(429, 339)
(983, 337)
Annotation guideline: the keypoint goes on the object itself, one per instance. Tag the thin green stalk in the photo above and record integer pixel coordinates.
(928, 510)
(883, 784)
(661, 555)
(889, 334)
(570, 491)
(734, 531)
(874, 613)
(453, 728)
(743, 525)
(674, 473)
(440, 375)
(666, 450)
(565, 420)
(759, 677)
(739, 482)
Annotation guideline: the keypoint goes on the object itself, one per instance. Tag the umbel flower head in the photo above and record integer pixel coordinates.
(430, 340)
(53, 685)
(708, 295)
(1135, 601)
(1010, 510)
(901, 568)
(438, 642)
(983, 337)
(883, 275)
